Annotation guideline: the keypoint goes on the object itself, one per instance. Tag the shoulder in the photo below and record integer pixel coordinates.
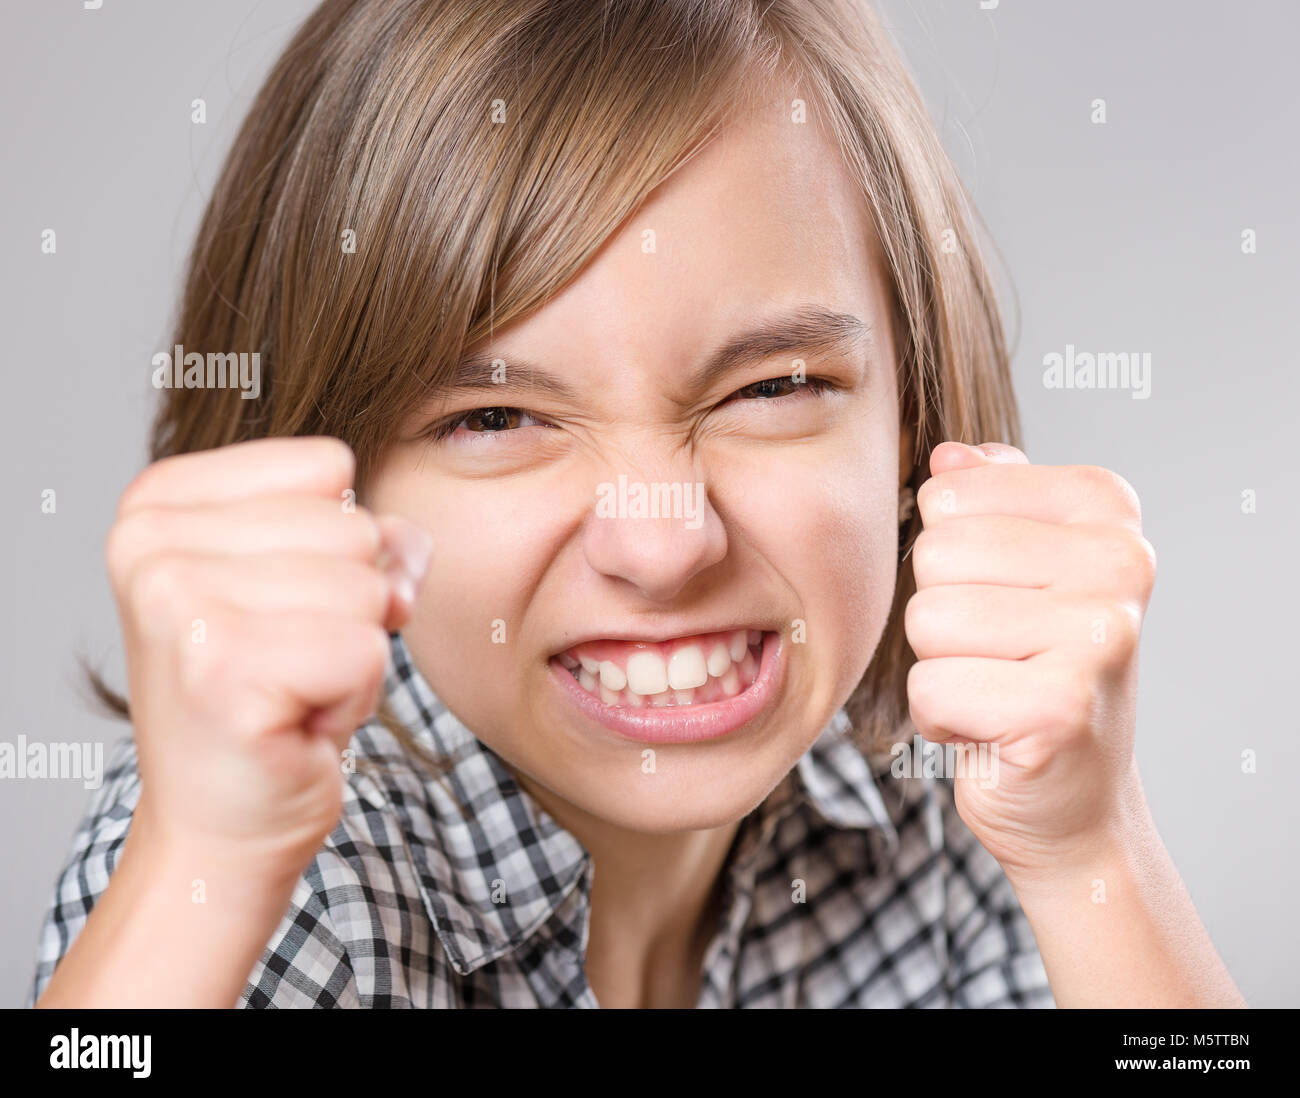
(352, 912)
(91, 860)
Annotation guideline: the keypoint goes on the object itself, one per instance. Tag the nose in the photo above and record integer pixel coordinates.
(656, 536)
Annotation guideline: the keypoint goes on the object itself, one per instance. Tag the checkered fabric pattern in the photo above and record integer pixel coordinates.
(411, 903)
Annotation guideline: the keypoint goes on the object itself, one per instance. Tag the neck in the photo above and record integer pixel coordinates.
(655, 905)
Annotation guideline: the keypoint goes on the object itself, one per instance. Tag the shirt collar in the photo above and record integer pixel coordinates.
(492, 876)
(841, 782)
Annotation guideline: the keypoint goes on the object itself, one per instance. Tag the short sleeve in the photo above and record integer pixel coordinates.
(304, 965)
(95, 850)
(993, 959)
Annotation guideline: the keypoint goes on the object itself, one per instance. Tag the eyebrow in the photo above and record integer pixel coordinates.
(809, 328)
(473, 373)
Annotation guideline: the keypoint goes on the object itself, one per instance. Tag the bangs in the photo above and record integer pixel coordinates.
(483, 159)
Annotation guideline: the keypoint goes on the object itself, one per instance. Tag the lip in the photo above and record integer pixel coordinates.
(658, 636)
(684, 724)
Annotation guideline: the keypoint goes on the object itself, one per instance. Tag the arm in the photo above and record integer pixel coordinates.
(138, 945)
(1032, 584)
(1116, 926)
(255, 614)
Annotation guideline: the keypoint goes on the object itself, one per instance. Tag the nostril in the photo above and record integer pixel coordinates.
(656, 536)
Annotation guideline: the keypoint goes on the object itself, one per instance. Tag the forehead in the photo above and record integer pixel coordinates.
(764, 216)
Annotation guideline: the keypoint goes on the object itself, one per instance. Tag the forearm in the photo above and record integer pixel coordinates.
(1117, 928)
(172, 929)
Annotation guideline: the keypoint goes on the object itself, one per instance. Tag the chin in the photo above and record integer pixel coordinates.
(663, 789)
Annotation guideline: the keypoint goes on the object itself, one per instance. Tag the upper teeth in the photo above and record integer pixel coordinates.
(686, 668)
(721, 664)
(647, 673)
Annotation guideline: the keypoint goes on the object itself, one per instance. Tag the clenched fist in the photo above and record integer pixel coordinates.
(256, 601)
(1032, 582)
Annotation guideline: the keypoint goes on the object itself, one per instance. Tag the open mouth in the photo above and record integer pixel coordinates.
(675, 691)
(680, 672)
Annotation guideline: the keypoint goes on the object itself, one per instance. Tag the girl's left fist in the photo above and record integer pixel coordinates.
(1032, 581)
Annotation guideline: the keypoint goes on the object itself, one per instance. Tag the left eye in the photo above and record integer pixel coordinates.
(775, 387)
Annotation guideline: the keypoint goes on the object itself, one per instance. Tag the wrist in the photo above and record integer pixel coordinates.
(237, 869)
(1123, 838)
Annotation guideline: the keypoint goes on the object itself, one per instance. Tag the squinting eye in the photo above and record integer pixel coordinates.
(775, 387)
(493, 419)
(484, 421)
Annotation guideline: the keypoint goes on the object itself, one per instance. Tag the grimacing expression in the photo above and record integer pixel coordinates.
(536, 584)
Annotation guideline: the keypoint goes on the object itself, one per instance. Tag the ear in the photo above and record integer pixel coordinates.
(906, 443)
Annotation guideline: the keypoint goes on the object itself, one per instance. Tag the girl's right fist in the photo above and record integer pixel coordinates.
(256, 601)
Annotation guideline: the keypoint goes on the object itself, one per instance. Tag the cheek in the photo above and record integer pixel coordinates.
(491, 543)
(857, 545)
(826, 521)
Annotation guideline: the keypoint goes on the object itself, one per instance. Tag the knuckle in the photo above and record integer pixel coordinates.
(126, 540)
(334, 450)
(364, 526)
(921, 688)
(1108, 484)
(115, 553)
(374, 659)
(208, 669)
(374, 590)
(1123, 623)
(365, 587)
(926, 556)
(139, 487)
(918, 619)
(1094, 477)
(923, 495)
(937, 497)
(1129, 557)
(158, 586)
(1142, 563)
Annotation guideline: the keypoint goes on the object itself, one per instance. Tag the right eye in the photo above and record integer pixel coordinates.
(483, 421)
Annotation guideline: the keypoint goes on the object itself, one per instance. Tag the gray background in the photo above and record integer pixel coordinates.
(1124, 236)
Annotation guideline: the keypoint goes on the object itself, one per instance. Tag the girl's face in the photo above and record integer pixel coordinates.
(726, 362)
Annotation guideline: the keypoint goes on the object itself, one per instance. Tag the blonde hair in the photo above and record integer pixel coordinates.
(479, 154)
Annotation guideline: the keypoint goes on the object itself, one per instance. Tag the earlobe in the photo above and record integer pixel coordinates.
(906, 504)
(906, 462)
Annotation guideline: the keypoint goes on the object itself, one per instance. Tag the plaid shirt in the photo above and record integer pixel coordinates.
(411, 903)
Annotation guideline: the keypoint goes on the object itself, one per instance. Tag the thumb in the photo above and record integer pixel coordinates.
(950, 456)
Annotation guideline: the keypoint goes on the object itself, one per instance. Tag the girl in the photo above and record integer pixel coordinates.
(637, 327)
